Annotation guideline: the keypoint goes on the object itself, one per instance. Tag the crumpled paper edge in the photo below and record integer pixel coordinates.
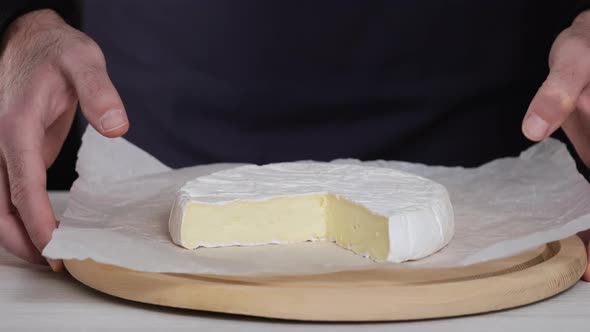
(93, 172)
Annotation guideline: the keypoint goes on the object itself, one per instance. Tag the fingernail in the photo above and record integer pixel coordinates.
(112, 120)
(535, 127)
(56, 265)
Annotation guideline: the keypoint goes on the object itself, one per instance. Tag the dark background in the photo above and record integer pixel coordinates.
(62, 173)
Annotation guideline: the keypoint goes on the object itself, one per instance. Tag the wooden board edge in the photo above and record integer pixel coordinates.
(380, 302)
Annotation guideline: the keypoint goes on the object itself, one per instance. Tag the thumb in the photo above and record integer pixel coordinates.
(99, 100)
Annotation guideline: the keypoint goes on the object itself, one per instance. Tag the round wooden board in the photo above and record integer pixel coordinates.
(366, 295)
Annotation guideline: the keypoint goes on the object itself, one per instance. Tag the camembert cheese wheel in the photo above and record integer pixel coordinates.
(380, 213)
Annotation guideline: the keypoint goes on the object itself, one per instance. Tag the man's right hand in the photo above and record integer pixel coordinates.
(46, 67)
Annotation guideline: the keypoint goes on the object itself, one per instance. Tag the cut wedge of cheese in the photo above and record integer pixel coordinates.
(381, 213)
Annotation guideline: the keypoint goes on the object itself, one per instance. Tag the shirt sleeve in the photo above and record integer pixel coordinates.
(70, 10)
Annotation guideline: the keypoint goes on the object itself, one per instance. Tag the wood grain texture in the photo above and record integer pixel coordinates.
(368, 295)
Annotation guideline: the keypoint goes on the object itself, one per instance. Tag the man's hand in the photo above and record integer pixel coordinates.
(46, 67)
(564, 98)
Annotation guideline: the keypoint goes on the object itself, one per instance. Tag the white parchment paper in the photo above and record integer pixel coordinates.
(119, 206)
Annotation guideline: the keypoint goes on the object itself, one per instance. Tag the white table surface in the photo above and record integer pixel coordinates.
(34, 298)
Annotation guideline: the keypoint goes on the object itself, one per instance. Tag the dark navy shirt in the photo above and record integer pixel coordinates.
(438, 82)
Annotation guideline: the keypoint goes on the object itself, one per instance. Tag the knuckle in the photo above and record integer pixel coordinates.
(577, 35)
(18, 192)
(570, 50)
(579, 26)
(91, 50)
(564, 70)
(92, 80)
(82, 49)
(558, 100)
(20, 185)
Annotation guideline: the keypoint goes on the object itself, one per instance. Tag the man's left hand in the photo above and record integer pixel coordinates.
(563, 100)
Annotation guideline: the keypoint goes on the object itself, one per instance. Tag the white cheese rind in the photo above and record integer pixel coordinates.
(419, 210)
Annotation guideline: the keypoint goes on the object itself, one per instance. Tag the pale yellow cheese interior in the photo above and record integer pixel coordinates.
(287, 220)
